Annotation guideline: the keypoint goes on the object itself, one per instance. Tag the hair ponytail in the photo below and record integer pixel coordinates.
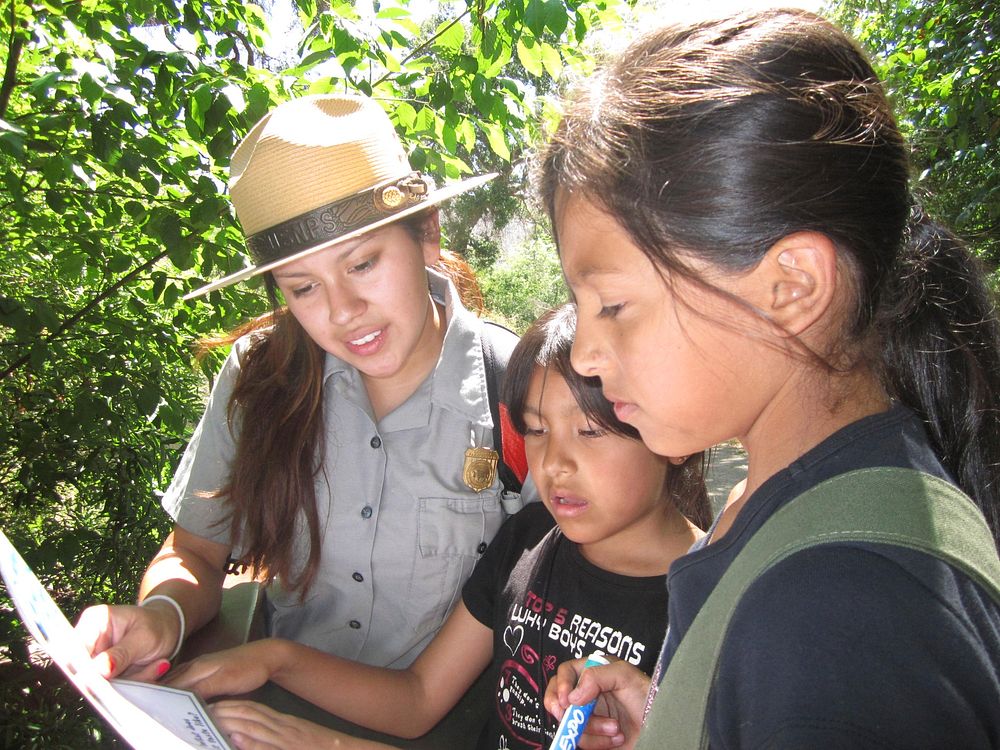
(456, 268)
(941, 355)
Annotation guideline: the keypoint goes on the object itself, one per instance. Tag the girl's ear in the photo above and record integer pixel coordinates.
(430, 239)
(801, 271)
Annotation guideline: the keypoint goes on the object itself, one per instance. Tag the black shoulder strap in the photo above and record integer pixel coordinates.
(498, 343)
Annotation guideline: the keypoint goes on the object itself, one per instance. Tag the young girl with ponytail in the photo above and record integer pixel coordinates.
(733, 209)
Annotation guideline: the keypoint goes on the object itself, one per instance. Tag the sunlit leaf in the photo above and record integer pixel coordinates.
(450, 36)
(529, 53)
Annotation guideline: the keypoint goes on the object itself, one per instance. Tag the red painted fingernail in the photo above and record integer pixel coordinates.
(111, 665)
(162, 668)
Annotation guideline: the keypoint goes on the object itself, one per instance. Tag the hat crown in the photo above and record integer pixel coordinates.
(310, 152)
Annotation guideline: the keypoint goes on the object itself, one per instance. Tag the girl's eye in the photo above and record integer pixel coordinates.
(534, 432)
(610, 311)
(364, 266)
(592, 433)
(303, 290)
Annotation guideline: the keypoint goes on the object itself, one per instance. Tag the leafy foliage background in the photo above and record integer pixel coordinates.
(942, 62)
(117, 118)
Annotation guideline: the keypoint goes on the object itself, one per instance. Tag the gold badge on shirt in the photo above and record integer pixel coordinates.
(480, 468)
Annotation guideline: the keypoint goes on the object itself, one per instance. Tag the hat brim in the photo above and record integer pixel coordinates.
(433, 198)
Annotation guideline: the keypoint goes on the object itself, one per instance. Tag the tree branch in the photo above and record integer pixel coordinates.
(420, 48)
(82, 312)
(13, 57)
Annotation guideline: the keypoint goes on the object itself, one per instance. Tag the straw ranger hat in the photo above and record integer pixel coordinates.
(317, 171)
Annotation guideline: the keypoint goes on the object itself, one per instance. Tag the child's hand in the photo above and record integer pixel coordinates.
(253, 726)
(620, 690)
(231, 672)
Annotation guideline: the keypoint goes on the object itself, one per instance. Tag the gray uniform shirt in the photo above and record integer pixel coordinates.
(400, 529)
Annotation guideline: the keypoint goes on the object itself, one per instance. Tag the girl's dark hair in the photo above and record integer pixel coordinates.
(278, 403)
(716, 140)
(547, 344)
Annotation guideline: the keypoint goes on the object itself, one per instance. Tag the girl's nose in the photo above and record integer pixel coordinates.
(345, 305)
(557, 461)
(585, 356)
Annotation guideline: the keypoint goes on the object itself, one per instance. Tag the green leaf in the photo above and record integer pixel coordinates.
(482, 95)
(455, 167)
(166, 227)
(216, 114)
(38, 354)
(225, 46)
(406, 115)
(495, 137)
(151, 184)
(147, 398)
(54, 170)
(55, 201)
(159, 283)
(424, 122)
(112, 384)
(551, 60)
(45, 314)
(530, 55)
(221, 145)
(450, 138)
(12, 138)
(119, 263)
(200, 104)
(72, 264)
(452, 36)
(441, 91)
(41, 86)
(91, 88)
(534, 16)
(466, 134)
(556, 17)
(392, 13)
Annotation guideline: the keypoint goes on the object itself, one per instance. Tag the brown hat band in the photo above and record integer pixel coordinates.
(328, 223)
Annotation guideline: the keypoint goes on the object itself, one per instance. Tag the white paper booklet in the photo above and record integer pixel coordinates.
(147, 716)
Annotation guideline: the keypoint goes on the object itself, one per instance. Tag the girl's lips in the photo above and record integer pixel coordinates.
(624, 409)
(565, 505)
(367, 343)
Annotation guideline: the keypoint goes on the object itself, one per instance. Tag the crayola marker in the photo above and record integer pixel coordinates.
(574, 721)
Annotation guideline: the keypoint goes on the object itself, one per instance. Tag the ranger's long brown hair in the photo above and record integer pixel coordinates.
(277, 409)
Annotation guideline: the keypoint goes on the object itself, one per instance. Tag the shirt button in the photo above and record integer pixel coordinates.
(376, 442)
(358, 577)
(366, 512)
(481, 548)
(355, 624)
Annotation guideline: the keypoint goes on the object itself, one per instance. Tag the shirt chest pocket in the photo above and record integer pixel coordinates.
(456, 526)
(452, 532)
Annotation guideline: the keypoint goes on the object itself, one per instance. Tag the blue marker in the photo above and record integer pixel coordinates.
(574, 721)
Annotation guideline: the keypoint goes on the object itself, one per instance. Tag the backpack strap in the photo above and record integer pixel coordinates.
(882, 505)
(498, 342)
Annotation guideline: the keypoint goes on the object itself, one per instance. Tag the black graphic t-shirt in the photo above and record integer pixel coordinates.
(546, 604)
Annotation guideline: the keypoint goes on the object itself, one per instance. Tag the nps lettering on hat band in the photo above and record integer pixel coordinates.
(327, 223)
